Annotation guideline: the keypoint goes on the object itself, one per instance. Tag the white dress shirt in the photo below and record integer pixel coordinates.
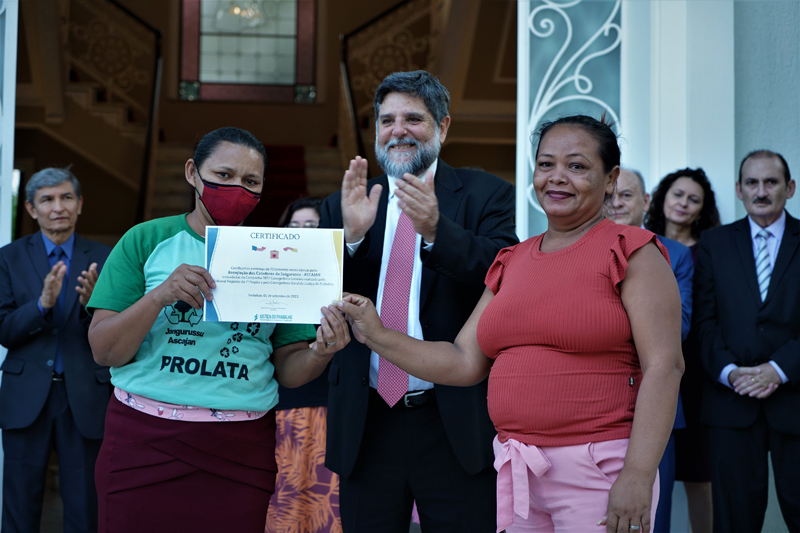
(774, 239)
(414, 327)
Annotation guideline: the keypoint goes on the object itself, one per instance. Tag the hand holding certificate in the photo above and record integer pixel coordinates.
(281, 275)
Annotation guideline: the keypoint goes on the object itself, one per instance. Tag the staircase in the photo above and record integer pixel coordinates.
(324, 170)
(118, 115)
(90, 77)
(481, 79)
(172, 194)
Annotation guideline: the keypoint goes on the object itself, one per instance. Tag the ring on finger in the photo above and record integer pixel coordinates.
(752, 380)
(636, 528)
(330, 343)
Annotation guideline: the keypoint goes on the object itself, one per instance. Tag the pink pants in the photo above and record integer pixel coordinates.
(557, 488)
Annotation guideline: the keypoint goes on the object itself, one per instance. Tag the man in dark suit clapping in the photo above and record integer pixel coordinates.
(420, 240)
(747, 306)
(53, 394)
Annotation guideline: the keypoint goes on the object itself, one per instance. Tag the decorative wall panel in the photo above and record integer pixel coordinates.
(569, 53)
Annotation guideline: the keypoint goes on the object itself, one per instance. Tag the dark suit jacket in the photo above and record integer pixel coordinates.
(31, 338)
(736, 327)
(475, 222)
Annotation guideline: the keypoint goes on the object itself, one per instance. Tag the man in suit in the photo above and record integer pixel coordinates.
(747, 306)
(53, 394)
(420, 240)
(629, 204)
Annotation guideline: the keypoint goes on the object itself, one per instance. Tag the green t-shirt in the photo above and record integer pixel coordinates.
(183, 359)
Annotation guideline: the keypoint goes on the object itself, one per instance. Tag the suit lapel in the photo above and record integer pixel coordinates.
(378, 229)
(447, 187)
(376, 233)
(744, 246)
(38, 256)
(786, 253)
(78, 263)
(383, 205)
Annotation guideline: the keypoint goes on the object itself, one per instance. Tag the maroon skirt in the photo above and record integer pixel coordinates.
(164, 475)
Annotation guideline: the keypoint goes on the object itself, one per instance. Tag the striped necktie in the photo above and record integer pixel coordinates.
(763, 265)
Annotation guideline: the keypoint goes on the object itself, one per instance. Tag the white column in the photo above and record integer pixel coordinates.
(711, 99)
(635, 97)
(523, 116)
(9, 14)
(677, 105)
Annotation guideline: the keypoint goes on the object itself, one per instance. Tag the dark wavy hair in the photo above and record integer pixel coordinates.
(654, 219)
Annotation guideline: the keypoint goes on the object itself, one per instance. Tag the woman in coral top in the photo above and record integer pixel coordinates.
(578, 329)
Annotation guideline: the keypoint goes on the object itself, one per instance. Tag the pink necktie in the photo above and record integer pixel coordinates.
(393, 382)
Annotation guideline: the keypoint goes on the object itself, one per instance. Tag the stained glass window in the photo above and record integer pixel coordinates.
(248, 42)
(254, 50)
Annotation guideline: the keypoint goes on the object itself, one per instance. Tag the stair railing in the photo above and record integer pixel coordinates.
(121, 52)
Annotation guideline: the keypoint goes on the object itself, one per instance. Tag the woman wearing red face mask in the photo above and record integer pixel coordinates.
(167, 463)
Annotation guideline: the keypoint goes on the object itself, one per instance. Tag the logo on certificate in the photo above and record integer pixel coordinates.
(273, 254)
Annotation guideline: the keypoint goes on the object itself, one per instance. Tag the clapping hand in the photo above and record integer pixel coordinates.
(358, 209)
(52, 285)
(417, 199)
(87, 279)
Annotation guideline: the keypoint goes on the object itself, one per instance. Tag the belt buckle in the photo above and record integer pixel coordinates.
(408, 395)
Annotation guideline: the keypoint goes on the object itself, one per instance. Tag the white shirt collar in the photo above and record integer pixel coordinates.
(775, 229)
(393, 180)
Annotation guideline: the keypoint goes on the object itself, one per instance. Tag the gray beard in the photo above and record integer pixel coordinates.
(424, 158)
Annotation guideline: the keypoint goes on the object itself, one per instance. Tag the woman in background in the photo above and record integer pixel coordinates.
(306, 498)
(682, 208)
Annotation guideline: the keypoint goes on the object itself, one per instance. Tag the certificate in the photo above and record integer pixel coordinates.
(280, 275)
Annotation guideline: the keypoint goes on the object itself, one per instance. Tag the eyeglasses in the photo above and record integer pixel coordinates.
(306, 224)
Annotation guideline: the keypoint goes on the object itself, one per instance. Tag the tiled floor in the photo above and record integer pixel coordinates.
(52, 513)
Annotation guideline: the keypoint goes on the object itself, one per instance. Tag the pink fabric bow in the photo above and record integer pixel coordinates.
(512, 460)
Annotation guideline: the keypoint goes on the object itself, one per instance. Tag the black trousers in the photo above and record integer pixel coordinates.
(740, 476)
(26, 453)
(405, 457)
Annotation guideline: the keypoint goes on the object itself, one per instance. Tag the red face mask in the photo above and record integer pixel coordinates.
(228, 205)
